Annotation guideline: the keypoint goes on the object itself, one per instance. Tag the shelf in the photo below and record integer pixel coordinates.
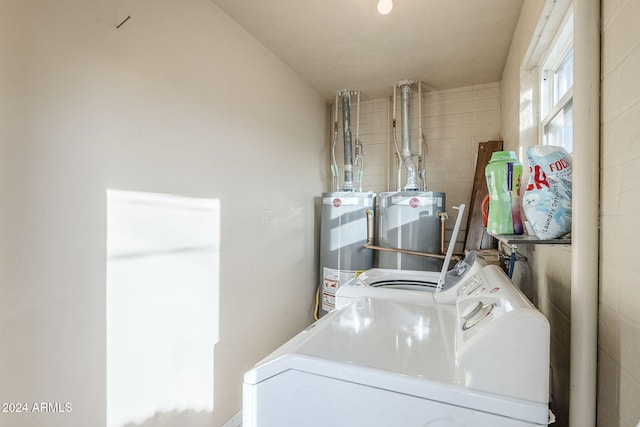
(526, 239)
(513, 240)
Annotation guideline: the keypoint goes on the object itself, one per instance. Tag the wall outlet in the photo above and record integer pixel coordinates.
(266, 218)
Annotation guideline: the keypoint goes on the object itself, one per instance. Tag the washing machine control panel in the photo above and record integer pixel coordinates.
(484, 298)
(500, 335)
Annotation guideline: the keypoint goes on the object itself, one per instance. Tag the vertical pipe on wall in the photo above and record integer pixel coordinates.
(422, 173)
(586, 196)
(348, 145)
(357, 116)
(395, 142)
(335, 181)
(412, 182)
(359, 153)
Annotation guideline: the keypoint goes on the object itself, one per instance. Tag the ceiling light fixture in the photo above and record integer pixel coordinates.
(385, 6)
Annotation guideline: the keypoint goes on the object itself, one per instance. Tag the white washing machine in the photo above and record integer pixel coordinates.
(418, 287)
(483, 361)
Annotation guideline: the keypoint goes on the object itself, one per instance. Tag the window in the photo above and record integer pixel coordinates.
(556, 89)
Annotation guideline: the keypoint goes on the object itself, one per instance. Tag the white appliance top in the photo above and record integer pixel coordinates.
(409, 339)
(488, 352)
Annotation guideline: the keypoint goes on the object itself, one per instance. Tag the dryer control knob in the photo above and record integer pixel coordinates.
(472, 310)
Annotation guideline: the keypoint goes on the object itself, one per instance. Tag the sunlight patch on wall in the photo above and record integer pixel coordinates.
(526, 110)
(162, 304)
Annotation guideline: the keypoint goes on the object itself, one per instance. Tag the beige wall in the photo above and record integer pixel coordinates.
(179, 100)
(619, 349)
(161, 104)
(545, 274)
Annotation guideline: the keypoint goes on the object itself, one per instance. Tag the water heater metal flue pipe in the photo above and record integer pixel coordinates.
(348, 146)
(412, 180)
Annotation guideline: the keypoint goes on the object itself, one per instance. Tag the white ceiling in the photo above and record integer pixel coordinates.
(346, 44)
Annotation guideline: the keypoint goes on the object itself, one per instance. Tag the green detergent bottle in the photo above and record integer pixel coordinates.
(503, 174)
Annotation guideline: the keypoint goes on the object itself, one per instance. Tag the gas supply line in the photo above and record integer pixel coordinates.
(370, 245)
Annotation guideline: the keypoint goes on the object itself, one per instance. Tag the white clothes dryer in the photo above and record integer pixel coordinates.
(480, 362)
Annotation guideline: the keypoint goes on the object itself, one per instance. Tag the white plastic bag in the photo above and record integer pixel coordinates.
(547, 198)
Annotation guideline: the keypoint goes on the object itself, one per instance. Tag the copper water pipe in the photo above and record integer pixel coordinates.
(370, 245)
(443, 218)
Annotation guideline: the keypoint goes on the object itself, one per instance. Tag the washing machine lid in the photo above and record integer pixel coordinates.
(399, 347)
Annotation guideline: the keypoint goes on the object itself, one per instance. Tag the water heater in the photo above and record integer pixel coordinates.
(343, 234)
(410, 220)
